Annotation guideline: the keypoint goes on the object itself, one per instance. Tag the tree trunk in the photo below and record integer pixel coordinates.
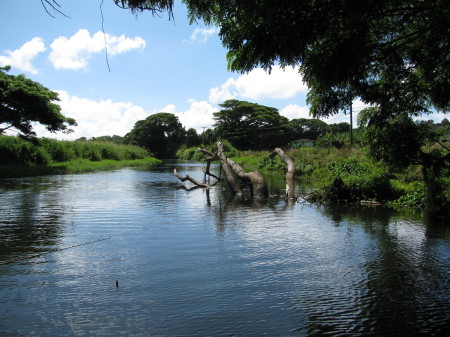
(256, 180)
(290, 174)
(235, 174)
(234, 185)
(432, 165)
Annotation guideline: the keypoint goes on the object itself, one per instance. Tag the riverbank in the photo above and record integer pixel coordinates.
(73, 166)
(43, 156)
(347, 176)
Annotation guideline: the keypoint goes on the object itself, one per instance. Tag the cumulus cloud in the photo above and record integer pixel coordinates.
(201, 35)
(294, 111)
(96, 118)
(21, 58)
(257, 84)
(74, 52)
(198, 116)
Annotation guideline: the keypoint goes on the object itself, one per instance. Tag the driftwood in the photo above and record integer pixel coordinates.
(233, 183)
(189, 178)
(236, 176)
(256, 180)
(290, 174)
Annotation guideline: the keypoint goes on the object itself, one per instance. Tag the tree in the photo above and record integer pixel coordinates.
(391, 54)
(385, 143)
(250, 126)
(192, 138)
(24, 102)
(243, 185)
(111, 139)
(208, 136)
(161, 133)
(307, 128)
(387, 52)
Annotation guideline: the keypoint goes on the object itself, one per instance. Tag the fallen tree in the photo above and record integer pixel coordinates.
(242, 184)
(290, 173)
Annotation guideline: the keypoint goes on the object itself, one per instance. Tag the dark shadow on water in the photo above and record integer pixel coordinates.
(31, 219)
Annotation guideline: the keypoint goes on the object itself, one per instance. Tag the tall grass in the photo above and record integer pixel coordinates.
(20, 158)
(45, 151)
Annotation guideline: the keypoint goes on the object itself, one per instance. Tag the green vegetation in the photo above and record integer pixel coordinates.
(161, 133)
(341, 175)
(23, 101)
(250, 126)
(19, 157)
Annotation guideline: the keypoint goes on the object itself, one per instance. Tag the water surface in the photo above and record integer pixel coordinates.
(195, 263)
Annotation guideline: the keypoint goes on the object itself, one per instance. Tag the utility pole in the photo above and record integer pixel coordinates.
(351, 124)
(203, 134)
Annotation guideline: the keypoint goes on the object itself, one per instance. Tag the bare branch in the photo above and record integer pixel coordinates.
(189, 178)
(53, 4)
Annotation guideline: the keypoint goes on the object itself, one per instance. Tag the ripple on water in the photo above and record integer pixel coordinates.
(193, 263)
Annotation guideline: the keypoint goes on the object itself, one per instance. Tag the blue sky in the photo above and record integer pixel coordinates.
(156, 65)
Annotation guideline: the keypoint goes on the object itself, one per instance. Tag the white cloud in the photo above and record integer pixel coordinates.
(294, 111)
(170, 108)
(198, 116)
(74, 52)
(201, 35)
(226, 91)
(96, 118)
(122, 44)
(21, 58)
(257, 84)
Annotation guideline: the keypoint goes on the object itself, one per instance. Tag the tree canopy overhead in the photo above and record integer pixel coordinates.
(23, 101)
(392, 53)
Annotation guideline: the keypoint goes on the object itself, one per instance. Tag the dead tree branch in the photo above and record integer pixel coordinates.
(233, 183)
(189, 178)
(290, 174)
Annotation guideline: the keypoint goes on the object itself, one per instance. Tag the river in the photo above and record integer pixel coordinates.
(195, 263)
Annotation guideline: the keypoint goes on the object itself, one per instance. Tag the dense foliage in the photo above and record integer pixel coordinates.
(388, 52)
(161, 133)
(23, 102)
(307, 128)
(250, 125)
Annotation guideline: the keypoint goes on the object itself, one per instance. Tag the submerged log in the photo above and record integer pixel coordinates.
(256, 180)
(189, 178)
(290, 174)
(237, 177)
(233, 183)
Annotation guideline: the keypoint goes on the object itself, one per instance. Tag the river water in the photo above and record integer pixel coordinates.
(195, 263)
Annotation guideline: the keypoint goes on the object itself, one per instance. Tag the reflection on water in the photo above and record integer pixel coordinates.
(197, 263)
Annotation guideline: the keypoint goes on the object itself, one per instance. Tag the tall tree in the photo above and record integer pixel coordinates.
(250, 126)
(24, 102)
(192, 138)
(307, 128)
(392, 53)
(161, 133)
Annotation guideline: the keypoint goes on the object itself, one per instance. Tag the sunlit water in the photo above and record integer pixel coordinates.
(195, 263)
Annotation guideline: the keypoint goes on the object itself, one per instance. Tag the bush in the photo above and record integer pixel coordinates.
(271, 164)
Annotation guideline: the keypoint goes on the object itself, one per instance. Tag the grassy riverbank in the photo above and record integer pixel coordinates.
(20, 158)
(347, 176)
(342, 175)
